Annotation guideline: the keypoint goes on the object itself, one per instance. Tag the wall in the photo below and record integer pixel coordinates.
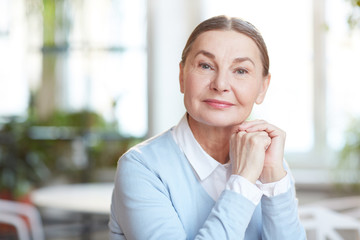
(169, 25)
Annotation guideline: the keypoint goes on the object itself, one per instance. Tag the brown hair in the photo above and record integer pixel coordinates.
(227, 24)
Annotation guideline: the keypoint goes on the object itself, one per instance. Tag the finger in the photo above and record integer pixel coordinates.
(241, 134)
(272, 130)
(265, 139)
(267, 145)
(260, 138)
(248, 124)
(236, 137)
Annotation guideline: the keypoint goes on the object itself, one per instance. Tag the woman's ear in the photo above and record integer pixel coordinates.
(181, 77)
(263, 89)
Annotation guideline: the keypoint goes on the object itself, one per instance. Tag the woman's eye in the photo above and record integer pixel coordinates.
(241, 71)
(205, 66)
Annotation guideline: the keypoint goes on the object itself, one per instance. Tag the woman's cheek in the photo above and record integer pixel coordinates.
(247, 97)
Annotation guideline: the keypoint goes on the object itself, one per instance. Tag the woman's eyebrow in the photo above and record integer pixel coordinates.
(236, 60)
(243, 59)
(206, 53)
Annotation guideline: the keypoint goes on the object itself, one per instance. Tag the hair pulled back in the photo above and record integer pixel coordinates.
(227, 24)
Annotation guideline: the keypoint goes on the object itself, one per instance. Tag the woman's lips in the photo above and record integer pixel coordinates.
(218, 103)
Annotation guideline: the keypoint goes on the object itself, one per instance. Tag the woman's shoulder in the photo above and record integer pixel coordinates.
(161, 142)
(153, 151)
(158, 159)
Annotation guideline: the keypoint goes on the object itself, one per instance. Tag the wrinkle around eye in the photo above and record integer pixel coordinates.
(241, 71)
(205, 66)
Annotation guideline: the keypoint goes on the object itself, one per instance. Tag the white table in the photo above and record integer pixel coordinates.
(93, 198)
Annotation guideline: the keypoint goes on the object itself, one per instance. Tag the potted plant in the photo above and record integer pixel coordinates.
(20, 166)
(348, 167)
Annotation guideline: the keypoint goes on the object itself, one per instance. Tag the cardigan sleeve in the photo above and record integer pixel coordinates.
(142, 208)
(280, 216)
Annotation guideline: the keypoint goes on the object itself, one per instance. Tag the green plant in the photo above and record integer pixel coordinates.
(20, 166)
(354, 16)
(349, 158)
(34, 151)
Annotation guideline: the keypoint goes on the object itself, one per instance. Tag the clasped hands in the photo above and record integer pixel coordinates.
(257, 151)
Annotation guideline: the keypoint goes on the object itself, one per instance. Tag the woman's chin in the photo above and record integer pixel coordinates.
(217, 120)
(223, 122)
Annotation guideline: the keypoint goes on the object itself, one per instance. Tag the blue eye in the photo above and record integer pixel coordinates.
(205, 66)
(241, 71)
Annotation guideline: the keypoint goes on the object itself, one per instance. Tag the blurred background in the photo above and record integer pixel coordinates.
(81, 81)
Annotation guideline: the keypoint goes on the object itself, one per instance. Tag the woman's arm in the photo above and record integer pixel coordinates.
(140, 204)
(280, 216)
(256, 151)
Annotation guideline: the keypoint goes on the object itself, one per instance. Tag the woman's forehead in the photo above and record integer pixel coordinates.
(221, 41)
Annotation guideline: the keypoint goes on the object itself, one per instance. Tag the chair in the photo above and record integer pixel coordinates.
(322, 223)
(19, 224)
(13, 213)
(349, 205)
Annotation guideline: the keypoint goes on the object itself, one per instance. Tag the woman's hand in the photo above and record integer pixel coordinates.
(257, 151)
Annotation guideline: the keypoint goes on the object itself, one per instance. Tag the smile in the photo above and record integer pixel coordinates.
(218, 103)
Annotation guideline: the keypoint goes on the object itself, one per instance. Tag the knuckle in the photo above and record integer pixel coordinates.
(281, 133)
(263, 121)
(241, 135)
(254, 140)
(259, 138)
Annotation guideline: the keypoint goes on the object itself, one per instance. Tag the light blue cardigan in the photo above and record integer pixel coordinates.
(157, 196)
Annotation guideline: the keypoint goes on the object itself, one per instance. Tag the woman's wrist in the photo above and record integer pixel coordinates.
(271, 174)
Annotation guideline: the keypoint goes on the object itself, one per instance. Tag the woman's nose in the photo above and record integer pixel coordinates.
(220, 82)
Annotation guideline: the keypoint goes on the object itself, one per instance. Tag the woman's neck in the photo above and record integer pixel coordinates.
(214, 140)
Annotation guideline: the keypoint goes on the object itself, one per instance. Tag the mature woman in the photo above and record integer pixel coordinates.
(214, 175)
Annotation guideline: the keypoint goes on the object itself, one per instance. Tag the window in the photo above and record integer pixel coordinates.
(14, 88)
(95, 59)
(313, 61)
(343, 58)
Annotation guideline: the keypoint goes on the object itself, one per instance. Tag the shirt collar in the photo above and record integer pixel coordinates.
(202, 163)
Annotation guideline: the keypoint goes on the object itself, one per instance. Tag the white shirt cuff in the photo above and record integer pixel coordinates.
(244, 187)
(275, 188)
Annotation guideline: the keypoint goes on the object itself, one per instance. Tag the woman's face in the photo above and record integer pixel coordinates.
(222, 78)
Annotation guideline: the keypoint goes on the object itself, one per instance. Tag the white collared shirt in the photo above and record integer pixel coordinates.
(216, 177)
